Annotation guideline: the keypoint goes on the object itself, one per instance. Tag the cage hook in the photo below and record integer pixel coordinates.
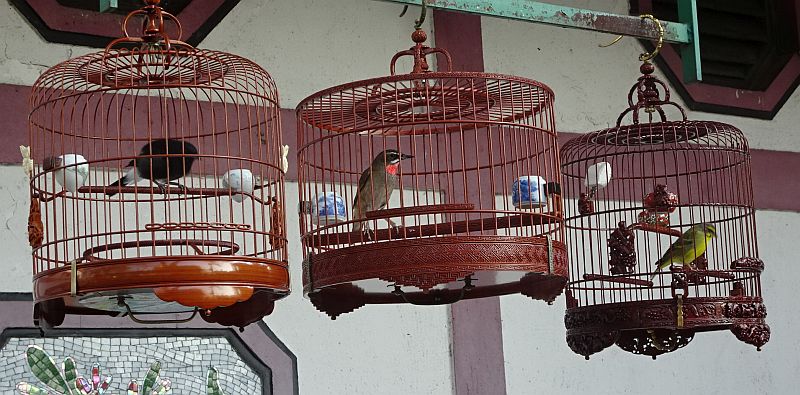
(645, 57)
(417, 22)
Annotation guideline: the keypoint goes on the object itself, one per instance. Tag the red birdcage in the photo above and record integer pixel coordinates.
(158, 182)
(406, 182)
(664, 245)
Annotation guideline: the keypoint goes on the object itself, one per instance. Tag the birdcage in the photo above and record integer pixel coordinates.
(661, 231)
(429, 188)
(158, 182)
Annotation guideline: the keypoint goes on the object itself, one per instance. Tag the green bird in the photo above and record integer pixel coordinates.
(688, 247)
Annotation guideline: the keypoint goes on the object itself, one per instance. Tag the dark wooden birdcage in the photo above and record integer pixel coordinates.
(674, 193)
(196, 223)
(406, 187)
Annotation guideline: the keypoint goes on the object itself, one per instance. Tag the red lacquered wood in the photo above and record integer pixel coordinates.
(426, 209)
(440, 229)
(159, 272)
(426, 262)
(204, 297)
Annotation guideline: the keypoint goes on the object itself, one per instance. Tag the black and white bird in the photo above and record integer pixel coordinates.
(160, 168)
(376, 184)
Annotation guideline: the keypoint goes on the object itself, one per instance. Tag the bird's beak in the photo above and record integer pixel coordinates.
(404, 156)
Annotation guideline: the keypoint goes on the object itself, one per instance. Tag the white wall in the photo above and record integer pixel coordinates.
(310, 45)
(16, 266)
(23, 53)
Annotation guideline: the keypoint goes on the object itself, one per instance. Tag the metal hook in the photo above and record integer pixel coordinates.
(418, 22)
(644, 57)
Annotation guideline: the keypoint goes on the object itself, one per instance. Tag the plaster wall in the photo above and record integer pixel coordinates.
(309, 45)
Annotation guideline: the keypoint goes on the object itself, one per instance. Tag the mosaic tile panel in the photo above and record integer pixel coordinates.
(185, 362)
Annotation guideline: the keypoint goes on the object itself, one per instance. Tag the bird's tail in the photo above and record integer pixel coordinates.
(660, 264)
(125, 180)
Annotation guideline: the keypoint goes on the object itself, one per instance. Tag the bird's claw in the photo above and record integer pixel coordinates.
(162, 188)
(181, 189)
(396, 228)
(367, 234)
(165, 188)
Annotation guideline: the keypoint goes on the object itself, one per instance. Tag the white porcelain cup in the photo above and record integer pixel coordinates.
(528, 192)
(327, 209)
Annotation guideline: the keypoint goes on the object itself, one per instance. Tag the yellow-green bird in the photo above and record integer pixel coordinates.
(688, 247)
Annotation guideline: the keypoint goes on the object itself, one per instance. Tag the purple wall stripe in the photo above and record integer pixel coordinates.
(477, 330)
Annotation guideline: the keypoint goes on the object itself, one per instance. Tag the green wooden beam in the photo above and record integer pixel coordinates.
(690, 54)
(105, 5)
(684, 32)
(551, 14)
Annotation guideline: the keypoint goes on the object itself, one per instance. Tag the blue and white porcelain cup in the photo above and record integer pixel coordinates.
(328, 209)
(529, 192)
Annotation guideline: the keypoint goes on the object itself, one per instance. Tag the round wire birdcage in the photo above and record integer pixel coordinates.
(406, 187)
(661, 231)
(158, 183)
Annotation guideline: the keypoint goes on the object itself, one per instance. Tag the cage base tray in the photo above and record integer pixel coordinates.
(434, 271)
(216, 286)
(591, 329)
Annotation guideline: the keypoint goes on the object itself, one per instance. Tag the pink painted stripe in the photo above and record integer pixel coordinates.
(477, 330)
(774, 182)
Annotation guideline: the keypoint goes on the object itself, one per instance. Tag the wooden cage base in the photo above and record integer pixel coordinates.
(438, 270)
(225, 289)
(654, 327)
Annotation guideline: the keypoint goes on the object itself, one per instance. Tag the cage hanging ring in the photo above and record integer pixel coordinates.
(660, 43)
(418, 23)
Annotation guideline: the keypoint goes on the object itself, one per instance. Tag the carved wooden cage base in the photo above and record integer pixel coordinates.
(652, 327)
(432, 271)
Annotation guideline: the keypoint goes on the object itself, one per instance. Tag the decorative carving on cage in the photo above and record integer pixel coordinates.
(668, 248)
(429, 188)
(158, 182)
